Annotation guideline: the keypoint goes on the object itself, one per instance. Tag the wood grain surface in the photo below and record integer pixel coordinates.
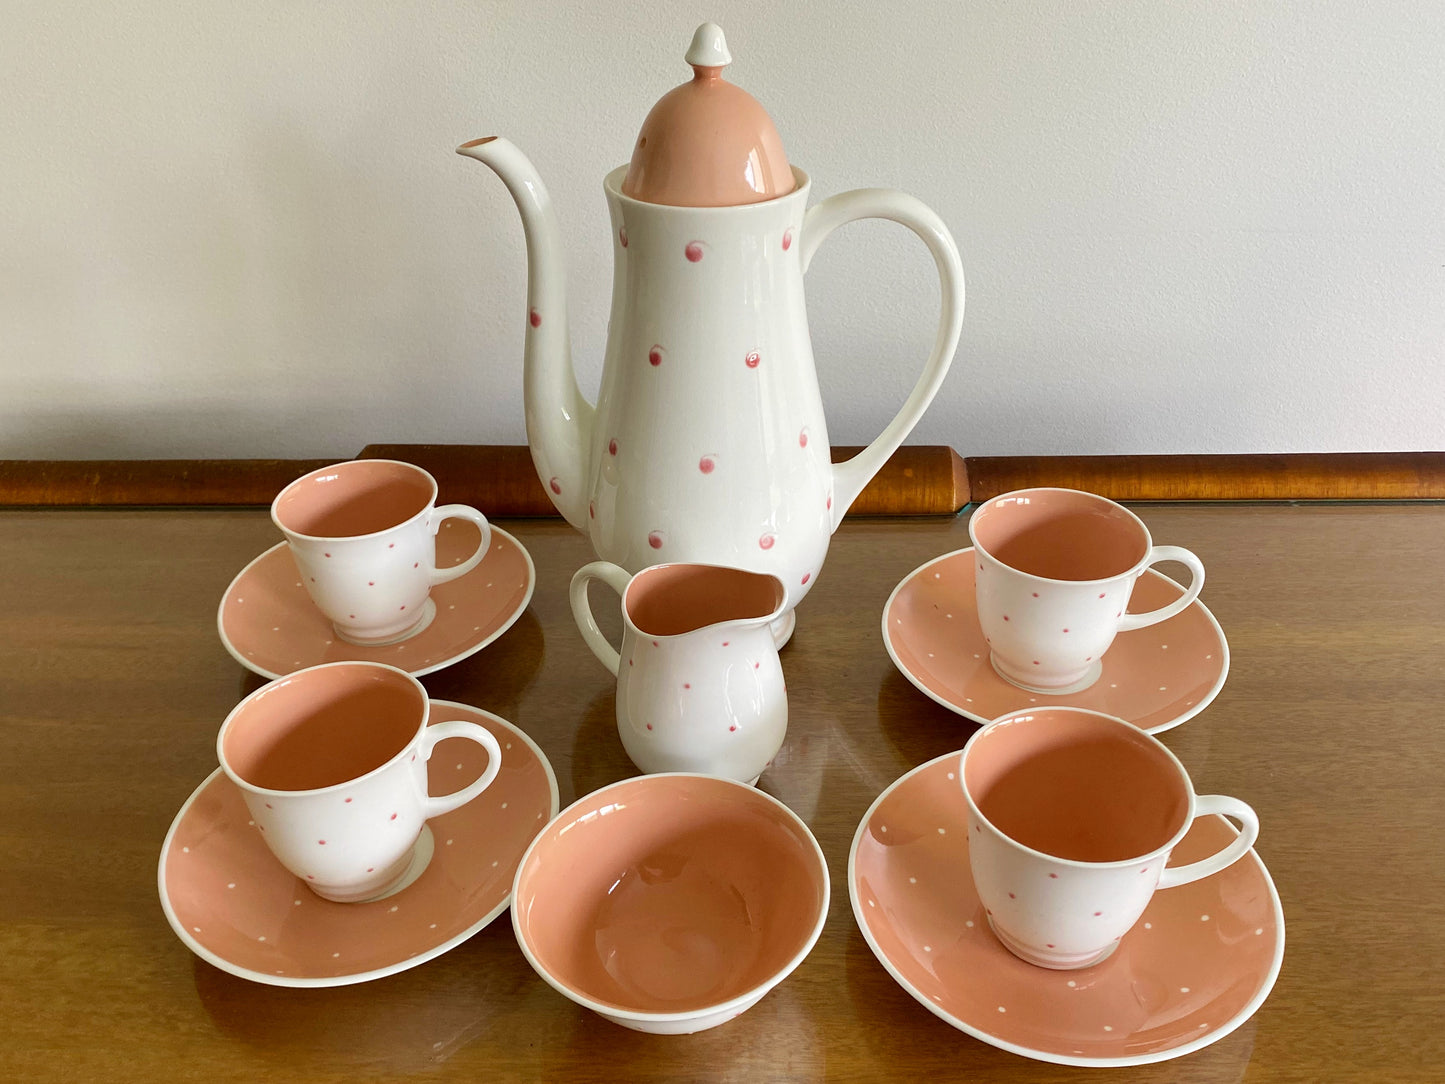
(113, 683)
(921, 480)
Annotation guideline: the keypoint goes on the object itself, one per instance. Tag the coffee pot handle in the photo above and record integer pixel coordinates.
(851, 476)
(614, 577)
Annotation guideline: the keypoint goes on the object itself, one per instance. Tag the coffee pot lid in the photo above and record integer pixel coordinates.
(708, 142)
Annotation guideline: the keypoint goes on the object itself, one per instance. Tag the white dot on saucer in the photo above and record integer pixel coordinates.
(393, 908)
(942, 831)
(1113, 685)
(883, 828)
(476, 628)
(1072, 983)
(975, 654)
(1148, 925)
(449, 843)
(504, 805)
(1164, 647)
(872, 904)
(930, 654)
(494, 865)
(432, 926)
(195, 929)
(459, 767)
(1259, 931)
(938, 575)
(185, 850)
(1033, 700)
(336, 955)
(949, 616)
(275, 628)
(1203, 918)
(1209, 656)
(913, 880)
(968, 700)
(950, 775)
(898, 620)
(489, 583)
(231, 885)
(251, 824)
(969, 924)
(1163, 687)
(261, 938)
(1203, 1026)
(1002, 1009)
(1108, 1028)
(1184, 989)
(927, 948)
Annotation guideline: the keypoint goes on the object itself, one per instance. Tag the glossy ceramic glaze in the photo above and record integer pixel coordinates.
(670, 903)
(708, 442)
(1054, 572)
(1201, 961)
(1072, 817)
(269, 624)
(362, 534)
(332, 763)
(1156, 678)
(699, 684)
(235, 906)
(708, 143)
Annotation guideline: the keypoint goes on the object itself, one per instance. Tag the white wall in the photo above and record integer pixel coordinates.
(241, 229)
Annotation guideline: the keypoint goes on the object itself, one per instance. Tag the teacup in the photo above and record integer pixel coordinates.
(1054, 572)
(363, 535)
(1072, 815)
(332, 763)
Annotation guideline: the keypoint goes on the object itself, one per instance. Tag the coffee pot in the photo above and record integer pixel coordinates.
(707, 442)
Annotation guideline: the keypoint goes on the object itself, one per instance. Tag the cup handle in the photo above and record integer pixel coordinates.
(461, 728)
(1249, 832)
(614, 577)
(1196, 581)
(467, 512)
(850, 476)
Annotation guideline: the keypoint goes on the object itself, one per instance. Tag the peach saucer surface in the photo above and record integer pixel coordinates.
(670, 903)
(1155, 677)
(270, 625)
(1198, 964)
(236, 906)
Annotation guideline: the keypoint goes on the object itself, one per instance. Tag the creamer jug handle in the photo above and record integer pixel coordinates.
(851, 476)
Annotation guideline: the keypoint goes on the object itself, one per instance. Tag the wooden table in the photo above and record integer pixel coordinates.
(113, 683)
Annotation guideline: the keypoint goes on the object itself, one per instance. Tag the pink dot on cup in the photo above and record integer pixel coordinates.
(326, 555)
(1098, 913)
(1036, 594)
(807, 576)
(752, 360)
(693, 251)
(370, 583)
(393, 816)
(1066, 630)
(592, 509)
(803, 439)
(353, 617)
(535, 317)
(403, 607)
(612, 446)
(830, 502)
(1012, 896)
(321, 842)
(1005, 617)
(555, 485)
(687, 685)
(370, 869)
(655, 540)
(1055, 876)
(649, 726)
(787, 238)
(347, 800)
(766, 541)
(732, 728)
(622, 236)
(416, 564)
(654, 356)
(756, 665)
(707, 464)
(311, 876)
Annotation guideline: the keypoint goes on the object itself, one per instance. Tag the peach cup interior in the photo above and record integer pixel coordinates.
(351, 499)
(670, 894)
(1077, 786)
(1060, 534)
(670, 600)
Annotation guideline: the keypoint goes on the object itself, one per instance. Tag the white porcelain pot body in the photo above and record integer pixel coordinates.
(710, 444)
(1067, 913)
(352, 839)
(710, 699)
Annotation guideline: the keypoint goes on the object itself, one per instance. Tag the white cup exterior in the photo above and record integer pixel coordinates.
(1049, 635)
(1066, 914)
(353, 840)
(374, 587)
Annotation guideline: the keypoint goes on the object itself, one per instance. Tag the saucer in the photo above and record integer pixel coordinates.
(1155, 677)
(1198, 964)
(270, 625)
(238, 908)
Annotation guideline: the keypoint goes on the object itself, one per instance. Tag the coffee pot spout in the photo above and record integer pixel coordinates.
(559, 419)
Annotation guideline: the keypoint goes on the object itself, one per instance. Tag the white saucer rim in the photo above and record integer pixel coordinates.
(1183, 717)
(218, 961)
(252, 666)
(1209, 1038)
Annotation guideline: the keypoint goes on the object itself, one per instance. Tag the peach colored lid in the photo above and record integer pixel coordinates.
(708, 143)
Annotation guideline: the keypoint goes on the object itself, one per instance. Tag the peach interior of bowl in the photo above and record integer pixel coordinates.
(670, 894)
